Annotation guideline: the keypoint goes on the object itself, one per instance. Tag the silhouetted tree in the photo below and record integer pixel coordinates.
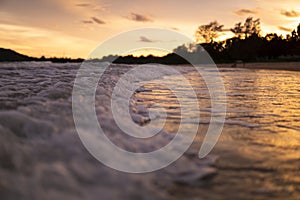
(238, 30)
(42, 58)
(294, 35)
(252, 27)
(271, 36)
(208, 32)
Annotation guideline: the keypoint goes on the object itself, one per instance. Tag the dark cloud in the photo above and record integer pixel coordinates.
(282, 28)
(291, 13)
(83, 4)
(87, 21)
(145, 39)
(139, 17)
(98, 21)
(91, 6)
(245, 12)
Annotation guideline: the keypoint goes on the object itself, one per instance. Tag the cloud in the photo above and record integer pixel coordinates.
(93, 20)
(35, 41)
(145, 39)
(282, 28)
(245, 12)
(83, 4)
(95, 7)
(139, 18)
(87, 21)
(98, 21)
(291, 13)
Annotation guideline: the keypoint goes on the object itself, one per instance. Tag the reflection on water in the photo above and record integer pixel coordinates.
(259, 150)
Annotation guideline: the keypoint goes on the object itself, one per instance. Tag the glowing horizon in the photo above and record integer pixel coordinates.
(74, 28)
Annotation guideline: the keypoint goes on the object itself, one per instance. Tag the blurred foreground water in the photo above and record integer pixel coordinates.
(259, 150)
(41, 156)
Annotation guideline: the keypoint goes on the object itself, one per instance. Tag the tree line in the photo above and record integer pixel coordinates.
(247, 45)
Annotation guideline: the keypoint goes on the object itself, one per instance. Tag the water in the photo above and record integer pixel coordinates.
(259, 150)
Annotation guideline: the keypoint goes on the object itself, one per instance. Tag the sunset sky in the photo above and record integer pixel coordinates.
(73, 28)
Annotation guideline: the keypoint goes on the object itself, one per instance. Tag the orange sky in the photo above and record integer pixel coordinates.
(73, 28)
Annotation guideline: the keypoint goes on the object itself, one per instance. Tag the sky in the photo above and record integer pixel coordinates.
(73, 28)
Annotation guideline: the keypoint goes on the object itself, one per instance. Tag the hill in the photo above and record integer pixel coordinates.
(10, 55)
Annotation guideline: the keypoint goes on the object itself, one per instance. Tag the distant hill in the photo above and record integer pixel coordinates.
(10, 55)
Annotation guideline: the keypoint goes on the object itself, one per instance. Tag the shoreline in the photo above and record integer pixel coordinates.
(290, 66)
